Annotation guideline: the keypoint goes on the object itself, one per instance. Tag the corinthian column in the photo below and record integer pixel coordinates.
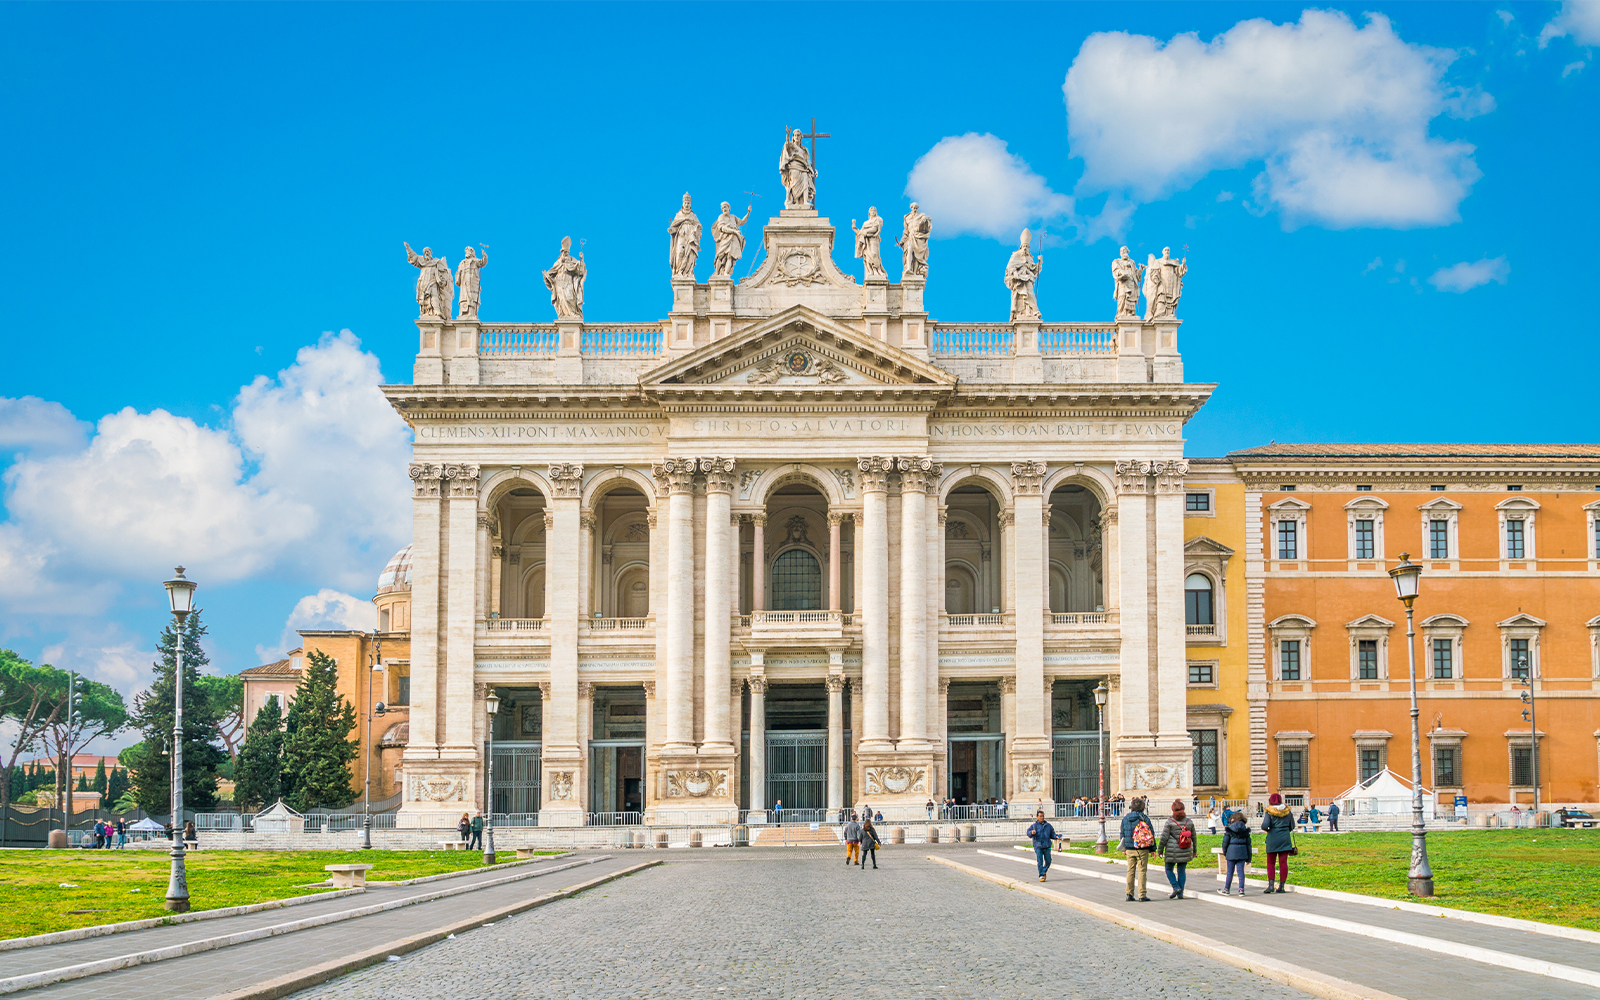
(460, 720)
(1135, 585)
(874, 601)
(719, 592)
(835, 740)
(678, 474)
(915, 474)
(1027, 479)
(758, 564)
(835, 518)
(758, 736)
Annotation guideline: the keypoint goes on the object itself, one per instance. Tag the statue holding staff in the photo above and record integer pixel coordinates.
(565, 280)
(913, 244)
(685, 246)
(1125, 275)
(799, 176)
(869, 239)
(1022, 272)
(435, 288)
(468, 280)
(728, 235)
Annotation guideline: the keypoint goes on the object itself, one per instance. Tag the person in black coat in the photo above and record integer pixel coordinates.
(1236, 851)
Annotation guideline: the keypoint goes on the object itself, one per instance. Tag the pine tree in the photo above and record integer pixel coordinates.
(100, 779)
(259, 769)
(150, 764)
(318, 748)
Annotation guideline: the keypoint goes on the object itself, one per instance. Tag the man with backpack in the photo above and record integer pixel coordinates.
(1043, 835)
(1138, 839)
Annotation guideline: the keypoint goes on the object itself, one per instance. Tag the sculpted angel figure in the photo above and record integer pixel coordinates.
(1125, 275)
(913, 244)
(435, 289)
(1022, 271)
(1163, 285)
(685, 236)
(467, 279)
(799, 176)
(729, 237)
(869, 238)
(565, 280)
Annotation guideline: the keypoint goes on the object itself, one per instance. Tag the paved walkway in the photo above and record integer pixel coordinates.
(209, 973)
(775, 924)
(1363, 945)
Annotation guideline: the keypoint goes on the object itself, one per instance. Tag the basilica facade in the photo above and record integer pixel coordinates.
(795, 542)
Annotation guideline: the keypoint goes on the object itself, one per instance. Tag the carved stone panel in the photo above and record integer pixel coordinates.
(699, 783)
(1030, 777)
(560, 784)
(897, 780)
(438, 788)
(1155, 776)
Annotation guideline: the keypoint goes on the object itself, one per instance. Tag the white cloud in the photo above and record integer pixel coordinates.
(1571, 68)
(973, 184)
(1338, 115)
(325, 610)
(1466, 276)
(1578, 18)
(309, 475)
(39, 426)
(1372, 265)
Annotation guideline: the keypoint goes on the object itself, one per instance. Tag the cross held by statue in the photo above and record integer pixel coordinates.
(814, 135)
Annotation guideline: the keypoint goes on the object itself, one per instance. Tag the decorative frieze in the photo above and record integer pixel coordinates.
(566, 479)
(1027, 478)
(425, 480)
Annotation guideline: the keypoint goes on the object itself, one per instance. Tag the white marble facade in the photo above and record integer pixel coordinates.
(795, 509)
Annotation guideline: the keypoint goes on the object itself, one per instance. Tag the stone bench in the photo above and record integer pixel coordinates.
(524, 853)
(452, 845)
(1222, 866)
(348, 876)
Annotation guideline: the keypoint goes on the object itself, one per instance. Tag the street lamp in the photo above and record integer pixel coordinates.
(492, 703)
(1419, 881)
(378, 709)
(1100, 694)
(180, 594)
(1530, 715)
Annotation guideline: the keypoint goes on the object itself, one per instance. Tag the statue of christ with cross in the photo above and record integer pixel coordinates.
(798, 171)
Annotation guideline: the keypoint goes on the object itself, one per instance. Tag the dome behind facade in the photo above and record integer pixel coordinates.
(397, 575)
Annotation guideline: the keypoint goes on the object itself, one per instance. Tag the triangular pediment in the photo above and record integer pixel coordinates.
(1201, 545)
(795, 349)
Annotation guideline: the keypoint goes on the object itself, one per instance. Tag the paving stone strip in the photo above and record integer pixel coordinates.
(46, 976)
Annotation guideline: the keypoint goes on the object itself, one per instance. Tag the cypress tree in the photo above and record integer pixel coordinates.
(152, 716)
(318, 748)
(116, 785)
(83, 783)
(100, 778)
(259, 769)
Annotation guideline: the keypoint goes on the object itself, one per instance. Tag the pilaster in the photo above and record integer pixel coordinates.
(874, 601)
(429, 786)
(678, 475)
(562, 756)
(719, 480)
(1030, 747)
(460, 742)
(915, 474)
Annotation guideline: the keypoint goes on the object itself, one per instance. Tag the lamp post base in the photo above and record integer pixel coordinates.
(1420, 886)
(1100, 848)
(177, 906)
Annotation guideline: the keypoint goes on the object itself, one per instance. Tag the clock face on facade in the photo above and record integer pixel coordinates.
(797, 362)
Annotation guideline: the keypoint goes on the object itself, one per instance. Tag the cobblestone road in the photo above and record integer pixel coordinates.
(776, 925)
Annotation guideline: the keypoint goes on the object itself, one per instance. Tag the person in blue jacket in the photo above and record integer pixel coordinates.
(1043, 836)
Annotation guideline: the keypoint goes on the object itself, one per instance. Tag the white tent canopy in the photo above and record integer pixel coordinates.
(145, 824)
(1383, 794)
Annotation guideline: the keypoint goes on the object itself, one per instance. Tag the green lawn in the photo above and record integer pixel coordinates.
(131, 885)
(1548, 875)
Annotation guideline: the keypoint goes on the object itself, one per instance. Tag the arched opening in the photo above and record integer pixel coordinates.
(960, 589)
(620, 576)
(518, 554)
(1075, 550)
(796, 581)
(796, 561)
(974, 575)
(1198, 600)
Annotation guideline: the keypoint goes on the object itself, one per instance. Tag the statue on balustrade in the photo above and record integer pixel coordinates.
(685, 236)
(1125, 275)
(1022, 272)
(468, 280)
(913, 244)
(565, 280)
(1163, 285)
(729, 237)
(435, 289)
(799, 176)
(869, 241)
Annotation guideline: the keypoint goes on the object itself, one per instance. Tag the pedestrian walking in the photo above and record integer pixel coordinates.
(777, 807)
(465, 828)
(1043, 836)
(1278, 825)
(1316, 819)
(869, 844)
(1177, 847)
(1235, 851)
(1211, 821)
(852, 841)
(476, 826)
(930, 810)
(1138, 839)
(1333, 817)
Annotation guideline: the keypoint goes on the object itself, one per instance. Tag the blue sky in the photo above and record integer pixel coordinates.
(1377, 202)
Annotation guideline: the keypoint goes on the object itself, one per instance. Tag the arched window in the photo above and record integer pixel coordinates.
(1197, 606)
(796, 582)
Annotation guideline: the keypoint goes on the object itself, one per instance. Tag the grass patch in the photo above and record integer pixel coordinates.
(131, 885)
(1547, 875)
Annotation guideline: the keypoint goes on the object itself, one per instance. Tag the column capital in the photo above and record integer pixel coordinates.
(1027, 478)
(944, 514)
(486, 521)
(759, 520)
(1008, 516)
(649, 689)
(586, 519)
(566, 478)
(463, 480)
(838, 517)
(718, 473)
(674, 475)
(917, 472)
(549, 520)
(736, 686)
(1133, 476)
(1108, 516)
(1008, 685)
(944, 686)
(425, 479)
(650, 519)
(875, 471)
(758, 686)
(1170, 474)
(835, 683)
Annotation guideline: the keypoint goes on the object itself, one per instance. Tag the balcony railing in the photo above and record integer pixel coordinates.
(1082, 618)
(630, 341)
(517, 340)
(974, 340)
(1078, 339)
(975, 621)
(514, 624)
(618, 624)
(1200, 629)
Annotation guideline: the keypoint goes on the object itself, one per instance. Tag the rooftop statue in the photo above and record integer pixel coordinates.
(869, 239)
(685, 247)
(435, 289)
(729, 238)
(1022, 271)
(913, 244)
(799, 176)
(565, 280)
(468, 280)
(1125, 275)
(1163, 285)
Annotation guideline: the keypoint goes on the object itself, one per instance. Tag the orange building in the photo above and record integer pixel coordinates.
(1509, 543)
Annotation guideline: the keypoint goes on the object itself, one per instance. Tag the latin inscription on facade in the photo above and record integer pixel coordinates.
(552, 432)
(1055, 430)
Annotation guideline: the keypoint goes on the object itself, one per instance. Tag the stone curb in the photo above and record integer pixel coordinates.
(499, 866)
(34, 980)
(1293, 976)
(273, 989)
